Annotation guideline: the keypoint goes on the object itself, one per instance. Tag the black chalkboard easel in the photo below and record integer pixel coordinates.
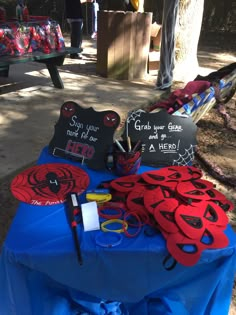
(167, 139)
(83, 134)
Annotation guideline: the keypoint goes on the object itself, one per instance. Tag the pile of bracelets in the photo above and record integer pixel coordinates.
(118, 219)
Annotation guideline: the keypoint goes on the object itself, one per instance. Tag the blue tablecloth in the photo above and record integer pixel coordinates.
(40, 274)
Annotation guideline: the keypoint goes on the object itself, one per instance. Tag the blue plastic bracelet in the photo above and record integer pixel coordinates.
(108, 239)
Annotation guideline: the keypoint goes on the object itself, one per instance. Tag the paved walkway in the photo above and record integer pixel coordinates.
(30, 105)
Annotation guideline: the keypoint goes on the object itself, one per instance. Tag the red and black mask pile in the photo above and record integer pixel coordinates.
(189, 211)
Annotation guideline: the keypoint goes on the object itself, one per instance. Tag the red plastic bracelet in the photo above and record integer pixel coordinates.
(111, 207)
(143, 217)
(134, 214)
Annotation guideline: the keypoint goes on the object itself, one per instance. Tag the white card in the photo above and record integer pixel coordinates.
(90, 216)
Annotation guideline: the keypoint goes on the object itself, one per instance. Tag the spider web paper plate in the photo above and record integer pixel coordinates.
(49, 184)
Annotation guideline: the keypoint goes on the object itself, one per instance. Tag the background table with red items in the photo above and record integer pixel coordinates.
(38, 34)
(40, 39)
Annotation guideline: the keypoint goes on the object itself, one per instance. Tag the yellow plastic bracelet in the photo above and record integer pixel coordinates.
(99, 198)
(122, 222)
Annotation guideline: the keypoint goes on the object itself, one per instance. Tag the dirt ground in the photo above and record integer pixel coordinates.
(217, 146)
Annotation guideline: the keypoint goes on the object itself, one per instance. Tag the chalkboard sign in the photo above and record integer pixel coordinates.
(83, 134)
(167, 139)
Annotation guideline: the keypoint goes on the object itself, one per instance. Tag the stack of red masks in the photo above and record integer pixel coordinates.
(188, 210)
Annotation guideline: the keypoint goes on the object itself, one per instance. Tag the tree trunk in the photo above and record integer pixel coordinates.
(187, 34)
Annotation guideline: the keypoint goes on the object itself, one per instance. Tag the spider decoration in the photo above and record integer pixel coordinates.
(68, 109)
(111, 120)
(49, 184)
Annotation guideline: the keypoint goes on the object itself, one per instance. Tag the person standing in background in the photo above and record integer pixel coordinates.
(94, 18)
(74, 17)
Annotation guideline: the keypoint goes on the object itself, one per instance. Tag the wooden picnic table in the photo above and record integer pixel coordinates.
(51, 60)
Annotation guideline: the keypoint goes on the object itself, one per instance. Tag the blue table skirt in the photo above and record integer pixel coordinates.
(40, 275)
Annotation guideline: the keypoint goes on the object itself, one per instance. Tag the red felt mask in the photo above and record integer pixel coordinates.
(194, 220)
(159, 177)
(135, 202)
(128, 183)
(125, 184)
(196, 189)
(225, 204)
(154, 197)
(172, 174)
(184, 173)
(188, 251)
(135, 199)
(214, 194)
(195, 172)
(164, 214)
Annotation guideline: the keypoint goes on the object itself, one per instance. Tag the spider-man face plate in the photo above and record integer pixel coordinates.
(49, 184)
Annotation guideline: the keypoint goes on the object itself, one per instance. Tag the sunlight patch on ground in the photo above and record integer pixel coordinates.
(225, 56)
(38, 73)
(205, 71)
(11, 115)
(36, 88)
(210, 61)
(217, 55)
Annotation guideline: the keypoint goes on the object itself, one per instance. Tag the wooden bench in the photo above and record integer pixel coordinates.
(51, 60)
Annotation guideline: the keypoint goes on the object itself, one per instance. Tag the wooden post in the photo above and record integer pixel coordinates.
(123, 43)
